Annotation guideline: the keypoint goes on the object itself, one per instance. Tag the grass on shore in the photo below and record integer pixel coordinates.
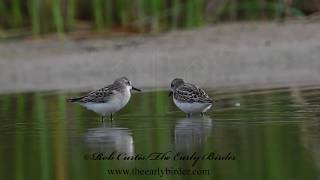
(62, 16)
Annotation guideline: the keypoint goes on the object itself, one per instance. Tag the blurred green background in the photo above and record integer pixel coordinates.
(35, 17)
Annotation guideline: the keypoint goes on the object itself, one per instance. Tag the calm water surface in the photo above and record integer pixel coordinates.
(272, 134)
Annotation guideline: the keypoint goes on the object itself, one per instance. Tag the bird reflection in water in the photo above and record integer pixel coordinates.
(191, 133)
(109, 137)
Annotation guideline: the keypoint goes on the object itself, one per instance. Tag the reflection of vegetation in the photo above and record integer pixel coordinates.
(5, 104)
(138, 15)
(44, 150)
(268, 137)
(20, 145)
(59, 139)
(266, 133)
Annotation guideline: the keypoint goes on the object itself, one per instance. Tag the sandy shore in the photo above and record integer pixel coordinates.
(261, 54)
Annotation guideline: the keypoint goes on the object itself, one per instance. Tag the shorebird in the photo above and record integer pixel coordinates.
(108, 100)
(189, 98)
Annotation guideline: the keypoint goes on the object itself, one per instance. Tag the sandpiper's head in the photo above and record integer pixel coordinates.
(126, 82)
(175, 84)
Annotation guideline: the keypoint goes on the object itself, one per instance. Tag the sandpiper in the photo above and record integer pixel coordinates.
(108, 100)
(190, 98)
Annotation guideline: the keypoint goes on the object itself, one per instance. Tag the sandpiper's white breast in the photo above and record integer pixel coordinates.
(194, 107)
(116, 102)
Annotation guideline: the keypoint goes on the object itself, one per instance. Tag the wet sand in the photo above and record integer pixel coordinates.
(237, 54)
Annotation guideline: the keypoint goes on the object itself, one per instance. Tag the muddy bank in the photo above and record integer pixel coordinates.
(261, 54)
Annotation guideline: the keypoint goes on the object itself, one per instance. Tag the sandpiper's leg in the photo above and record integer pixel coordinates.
(111, 116)
(189, 115)
(102, 118)
(202, 114)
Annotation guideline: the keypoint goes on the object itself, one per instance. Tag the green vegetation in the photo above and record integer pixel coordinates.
(61, 16)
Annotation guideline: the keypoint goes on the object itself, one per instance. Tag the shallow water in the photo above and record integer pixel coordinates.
(268, 134)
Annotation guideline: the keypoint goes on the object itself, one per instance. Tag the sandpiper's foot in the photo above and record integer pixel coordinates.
(189, 115)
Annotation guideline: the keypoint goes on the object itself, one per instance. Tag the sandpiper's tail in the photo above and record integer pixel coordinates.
(75, 99)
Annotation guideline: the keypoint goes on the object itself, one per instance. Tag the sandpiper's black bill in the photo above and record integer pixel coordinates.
(136, 89)
(170, 93)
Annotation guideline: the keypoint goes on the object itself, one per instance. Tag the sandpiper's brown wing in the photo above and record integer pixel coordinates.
(190, 93)
(102, 95)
